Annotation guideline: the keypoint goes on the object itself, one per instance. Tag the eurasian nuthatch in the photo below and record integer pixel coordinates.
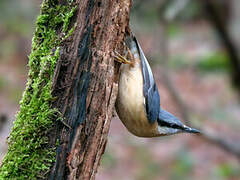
(138, 101)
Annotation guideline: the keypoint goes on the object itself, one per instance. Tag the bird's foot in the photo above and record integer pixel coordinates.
(121, 59)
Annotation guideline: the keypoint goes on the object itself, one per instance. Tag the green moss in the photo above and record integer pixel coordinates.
(29, 154)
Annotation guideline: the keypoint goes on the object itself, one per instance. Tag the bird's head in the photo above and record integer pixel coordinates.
(169, 124)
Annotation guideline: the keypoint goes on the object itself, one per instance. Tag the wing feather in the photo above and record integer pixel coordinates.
(150, 90)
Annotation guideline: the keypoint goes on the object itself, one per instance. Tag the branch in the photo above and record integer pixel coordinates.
(223, 143)
(232, 50)
(233, 148)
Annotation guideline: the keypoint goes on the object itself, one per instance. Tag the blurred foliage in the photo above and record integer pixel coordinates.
(144, 15)
(226, 171)
(18, 16)
(7, 47)
(12, 92)
(16, 27)
(173, 30)
(147, 13)
(182, 166)
(108, 159)
(181, 10)
(218, 61)
(178, 62)
(214, 62)
(191, 11)
(3, 83)
(15, 95)
(149, 168)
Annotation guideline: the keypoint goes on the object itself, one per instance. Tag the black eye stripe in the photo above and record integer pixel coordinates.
(170, 125)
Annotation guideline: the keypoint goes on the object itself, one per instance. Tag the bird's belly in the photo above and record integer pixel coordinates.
(130, 104)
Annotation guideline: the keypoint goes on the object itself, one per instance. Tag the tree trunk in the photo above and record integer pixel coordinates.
(88, 87)
(70, 95)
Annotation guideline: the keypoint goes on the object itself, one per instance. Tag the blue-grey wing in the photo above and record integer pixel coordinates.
(150, 90)
(152, 101)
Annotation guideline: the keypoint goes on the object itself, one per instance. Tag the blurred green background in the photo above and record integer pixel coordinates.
(186, 54)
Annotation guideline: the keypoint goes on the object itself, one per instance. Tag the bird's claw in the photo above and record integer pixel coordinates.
(121, 59)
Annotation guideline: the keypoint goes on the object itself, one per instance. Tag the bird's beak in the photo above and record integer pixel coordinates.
(190, 130)
(169, 124)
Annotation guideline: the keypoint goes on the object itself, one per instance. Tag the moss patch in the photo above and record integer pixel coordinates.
(29, 155)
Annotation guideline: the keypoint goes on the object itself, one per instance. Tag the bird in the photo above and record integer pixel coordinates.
(138, 99)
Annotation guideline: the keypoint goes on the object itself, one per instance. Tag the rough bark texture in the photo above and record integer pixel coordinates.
(85, 84)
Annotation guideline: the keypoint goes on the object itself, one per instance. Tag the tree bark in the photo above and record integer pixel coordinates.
(60, 131)
(85, 85)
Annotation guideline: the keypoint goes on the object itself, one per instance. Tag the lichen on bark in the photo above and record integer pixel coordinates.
(30, 154)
